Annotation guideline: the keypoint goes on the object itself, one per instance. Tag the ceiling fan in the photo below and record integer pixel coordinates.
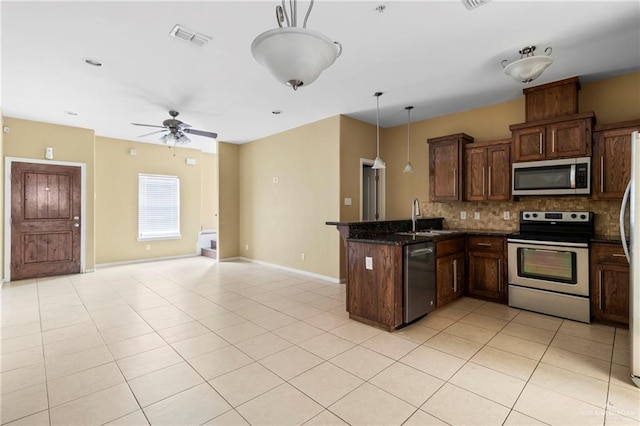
(175, 131)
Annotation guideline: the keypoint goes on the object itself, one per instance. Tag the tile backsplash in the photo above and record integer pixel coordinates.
(491, 213)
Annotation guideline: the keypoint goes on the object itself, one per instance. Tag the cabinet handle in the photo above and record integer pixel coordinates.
(483, 182)
(618, 255)
(600, 288)
(455, 275)
(484, 244)
(602, 173)
(540, 143)
(489, 181)
(499, 275)
(553, 141)
(455, 183)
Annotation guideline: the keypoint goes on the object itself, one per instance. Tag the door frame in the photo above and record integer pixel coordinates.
(7, 208)
(382, 189)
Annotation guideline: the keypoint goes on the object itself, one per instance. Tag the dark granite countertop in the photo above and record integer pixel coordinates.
(397, 239)
(485, 232)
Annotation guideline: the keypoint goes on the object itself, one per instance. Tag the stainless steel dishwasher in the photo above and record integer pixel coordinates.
(419, 280)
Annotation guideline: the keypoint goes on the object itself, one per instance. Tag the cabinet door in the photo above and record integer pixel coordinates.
(528, 144)
(486, 275)
(610, 293)
(444, 171)
(475, 174)
(611, 163)
(498, 173)
(449, 278)
(569, 139)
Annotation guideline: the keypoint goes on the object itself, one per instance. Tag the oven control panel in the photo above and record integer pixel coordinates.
(533, 216)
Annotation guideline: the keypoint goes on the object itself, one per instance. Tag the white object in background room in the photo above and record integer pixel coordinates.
(632, 198)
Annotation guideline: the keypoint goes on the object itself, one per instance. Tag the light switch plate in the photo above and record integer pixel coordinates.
(347, 201)
(368, 263)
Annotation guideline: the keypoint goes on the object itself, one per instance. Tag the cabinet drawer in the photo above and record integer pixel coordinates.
(611, 254)
(447, 247)
(483, 243)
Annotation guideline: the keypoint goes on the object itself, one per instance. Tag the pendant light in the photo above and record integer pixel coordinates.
(378, 163)
(408, 168)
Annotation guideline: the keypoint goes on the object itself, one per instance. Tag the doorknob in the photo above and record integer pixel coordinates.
(76, 225)
(76, 218)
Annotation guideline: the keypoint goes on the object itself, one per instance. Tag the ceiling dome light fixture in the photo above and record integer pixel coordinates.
(528, 67)
(294, 56)
(378, 163)
(408, 168)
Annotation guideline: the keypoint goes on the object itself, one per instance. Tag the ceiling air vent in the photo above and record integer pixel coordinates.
(472, 4)
(193, 37)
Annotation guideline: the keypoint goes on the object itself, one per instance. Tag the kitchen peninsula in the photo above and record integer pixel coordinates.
(377, 271)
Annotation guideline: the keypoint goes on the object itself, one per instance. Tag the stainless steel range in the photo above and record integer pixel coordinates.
(549, 263)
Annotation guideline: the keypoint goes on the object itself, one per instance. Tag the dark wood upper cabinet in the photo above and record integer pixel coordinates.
(563, 137)
(487, 171)
(612, 159)
(446, 173)
(552, 99)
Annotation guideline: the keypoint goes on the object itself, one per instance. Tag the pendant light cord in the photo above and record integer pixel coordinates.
(408, 132)
(378, 123)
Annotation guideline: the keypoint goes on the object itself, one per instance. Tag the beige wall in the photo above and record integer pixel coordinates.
(357, 140)
(280, 221)
(117, 199)
(209, 185)
(229, 201)
(612, 100)
(2, 198)
(28, 139)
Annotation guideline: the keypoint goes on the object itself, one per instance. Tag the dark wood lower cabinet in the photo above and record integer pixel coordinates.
(487, 267)
(374, 296)
(609, 283)
(450, 270)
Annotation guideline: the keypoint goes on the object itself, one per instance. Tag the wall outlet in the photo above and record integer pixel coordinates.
(302, 256)
(148, 247)
(463, 215)
(246, 247)
(505, 215)
(476, 215)
(368, 263)
(276, 179)
(347, 201)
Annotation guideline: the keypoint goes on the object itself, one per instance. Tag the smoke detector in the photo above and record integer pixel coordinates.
(190, 36)
(472, 4)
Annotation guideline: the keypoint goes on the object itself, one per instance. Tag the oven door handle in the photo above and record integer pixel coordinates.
(548, 243)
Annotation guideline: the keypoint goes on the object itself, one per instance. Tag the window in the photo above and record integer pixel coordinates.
(158, 207)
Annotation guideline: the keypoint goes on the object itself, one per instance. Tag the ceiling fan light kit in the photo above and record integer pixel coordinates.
(176, 131)
(294, 55)
(528, 67)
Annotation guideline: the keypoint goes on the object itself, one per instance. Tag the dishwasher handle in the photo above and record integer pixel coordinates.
(420, 252)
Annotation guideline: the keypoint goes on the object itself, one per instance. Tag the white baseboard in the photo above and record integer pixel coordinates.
(153, 259)
(297, 271)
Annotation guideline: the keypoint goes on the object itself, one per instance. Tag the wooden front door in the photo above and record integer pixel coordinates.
(45, 220)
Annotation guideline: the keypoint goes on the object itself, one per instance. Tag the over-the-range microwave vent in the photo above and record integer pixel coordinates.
(193, 37)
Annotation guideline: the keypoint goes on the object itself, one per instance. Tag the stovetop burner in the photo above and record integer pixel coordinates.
(556, 226)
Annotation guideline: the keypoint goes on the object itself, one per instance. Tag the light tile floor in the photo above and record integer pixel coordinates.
(192, 341)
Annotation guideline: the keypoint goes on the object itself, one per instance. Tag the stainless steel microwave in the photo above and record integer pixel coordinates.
(565, 176)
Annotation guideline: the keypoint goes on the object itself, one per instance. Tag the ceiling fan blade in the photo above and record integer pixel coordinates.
(183, 125)
(201, 133)
(153, 133)
(148, 125)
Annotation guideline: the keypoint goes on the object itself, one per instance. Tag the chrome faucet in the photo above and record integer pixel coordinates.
(415, 212)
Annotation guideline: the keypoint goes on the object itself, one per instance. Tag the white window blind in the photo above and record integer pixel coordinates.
(158, 207)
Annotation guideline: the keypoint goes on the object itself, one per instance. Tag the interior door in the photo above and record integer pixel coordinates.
(45, 220)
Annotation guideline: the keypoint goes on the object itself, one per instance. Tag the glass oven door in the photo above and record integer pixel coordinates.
(548, 265)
